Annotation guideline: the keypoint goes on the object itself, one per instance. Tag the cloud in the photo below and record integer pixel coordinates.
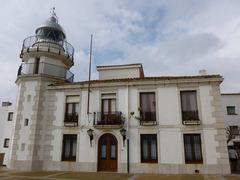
(167, 37)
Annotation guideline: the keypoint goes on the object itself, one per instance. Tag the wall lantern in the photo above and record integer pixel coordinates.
(90, 133)
(123, 133)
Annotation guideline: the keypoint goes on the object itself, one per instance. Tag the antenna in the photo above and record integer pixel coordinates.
(89, 75)
(53, 13)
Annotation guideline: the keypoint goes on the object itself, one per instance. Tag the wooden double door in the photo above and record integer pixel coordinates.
(107, 153)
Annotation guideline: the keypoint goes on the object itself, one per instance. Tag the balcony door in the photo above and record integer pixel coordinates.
(107, 153)
(109, 110)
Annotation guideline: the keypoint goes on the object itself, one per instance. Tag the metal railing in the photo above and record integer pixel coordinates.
(148, 117)
(190, 115)
(110, 118)
(46, 69)
(71, 118)
(37, 40)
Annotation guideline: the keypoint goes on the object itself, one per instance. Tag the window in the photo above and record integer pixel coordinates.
(231, 110)
(149, 148)
(109, 114)
(26, 122)
(10, 116)
(192, 148)
(189, 105)
(72, 107)
(147, 106)
(6, 142)
(69, 147)
(234, 130)
(36, 68)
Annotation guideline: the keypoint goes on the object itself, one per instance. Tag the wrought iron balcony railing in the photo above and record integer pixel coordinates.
(37, 40)
(190, 118)
(148, 118)
(71, 118)
(190, 115)
(109, 118)
(46, 69)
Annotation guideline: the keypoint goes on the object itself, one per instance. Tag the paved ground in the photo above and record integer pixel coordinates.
(44, 175)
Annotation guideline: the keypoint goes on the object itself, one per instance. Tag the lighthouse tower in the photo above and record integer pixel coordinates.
(46, 59)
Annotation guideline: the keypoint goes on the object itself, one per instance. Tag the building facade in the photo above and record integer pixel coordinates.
(122, 122)
(6, 129)
(231, 103)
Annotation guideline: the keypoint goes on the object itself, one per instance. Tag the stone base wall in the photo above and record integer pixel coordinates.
(122, 167)
(179, 168)
(26, 165)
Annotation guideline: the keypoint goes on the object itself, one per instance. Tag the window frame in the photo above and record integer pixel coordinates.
(26, 122)
(193, 160)
(141, 108)
(149, 138)
(66, 137)
(6, 142)
(197, 118)
(73, 116)
(10, 114)
(234, 113)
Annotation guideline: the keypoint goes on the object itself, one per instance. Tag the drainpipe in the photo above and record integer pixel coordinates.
(128, 155)
(128, 164)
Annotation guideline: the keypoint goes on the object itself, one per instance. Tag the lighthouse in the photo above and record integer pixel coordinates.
(46, 59)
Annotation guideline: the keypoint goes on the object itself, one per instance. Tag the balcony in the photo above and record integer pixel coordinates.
(111, 120)
(190, 118)
(148, 118)
(71, 120)
(38, 41)
(46, 69)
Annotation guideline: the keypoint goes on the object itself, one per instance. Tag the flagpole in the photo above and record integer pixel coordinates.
(89, 76)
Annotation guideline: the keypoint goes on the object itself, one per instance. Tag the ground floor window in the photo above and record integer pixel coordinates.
(193, 149)
(149, 148)
(69, 147)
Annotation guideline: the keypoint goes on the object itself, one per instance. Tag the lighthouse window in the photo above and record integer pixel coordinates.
(36, 65)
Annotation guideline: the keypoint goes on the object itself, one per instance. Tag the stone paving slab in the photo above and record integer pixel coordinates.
(58, 175)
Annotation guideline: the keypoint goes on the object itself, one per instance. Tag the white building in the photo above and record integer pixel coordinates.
(6, 125)
(135, 123)
(231, 102)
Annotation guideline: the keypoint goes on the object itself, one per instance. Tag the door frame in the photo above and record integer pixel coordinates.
(98, 149)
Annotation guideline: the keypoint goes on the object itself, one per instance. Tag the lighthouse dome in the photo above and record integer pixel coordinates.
(51, 30)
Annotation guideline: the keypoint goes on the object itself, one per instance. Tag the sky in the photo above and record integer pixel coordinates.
(169, 37)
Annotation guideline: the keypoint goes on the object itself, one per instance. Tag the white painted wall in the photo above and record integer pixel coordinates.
(231, 100)
(170, 140)
(168, 102)
(27, 112)
(119, 73)
(210, 145)
(206, 108)
(6, 130)
(171, 146)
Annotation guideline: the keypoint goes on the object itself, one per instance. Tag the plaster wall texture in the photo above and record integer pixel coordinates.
(6, 131)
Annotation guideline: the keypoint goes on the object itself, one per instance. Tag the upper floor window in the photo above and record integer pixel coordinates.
(189, 105)
(6, 142)
(108, 114)
(231, 110)
(108, 103)
(149, 148)
(10, 116)
(72, 107)
(193, 149)
(69, 148)
(147, 106)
